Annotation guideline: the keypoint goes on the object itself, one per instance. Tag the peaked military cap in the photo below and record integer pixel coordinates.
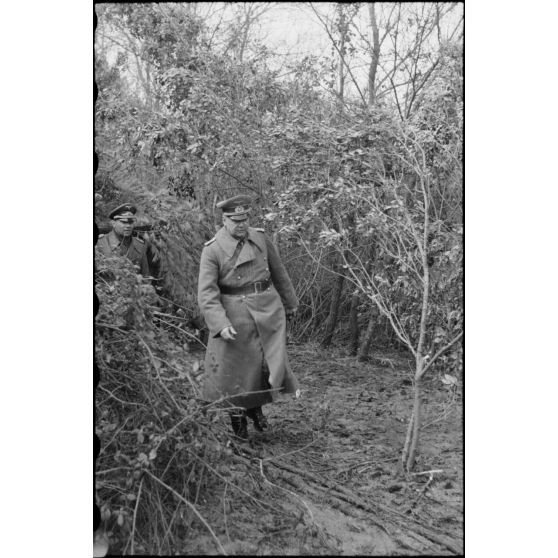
(124, 210)
(236, 208)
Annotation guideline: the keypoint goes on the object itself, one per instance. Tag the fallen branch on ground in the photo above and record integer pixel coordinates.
(340, 492)
(193, 508)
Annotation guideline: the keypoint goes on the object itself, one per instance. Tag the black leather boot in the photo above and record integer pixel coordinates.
(260, 422)
(239, 424)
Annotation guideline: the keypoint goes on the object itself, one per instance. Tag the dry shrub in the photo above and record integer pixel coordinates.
(149, 420)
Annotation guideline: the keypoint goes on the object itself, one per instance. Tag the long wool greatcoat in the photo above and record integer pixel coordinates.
(236, 367)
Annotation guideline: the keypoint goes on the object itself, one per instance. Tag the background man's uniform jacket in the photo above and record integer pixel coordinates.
(133, 248)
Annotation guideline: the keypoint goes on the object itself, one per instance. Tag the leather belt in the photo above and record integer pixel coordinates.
(252, 288)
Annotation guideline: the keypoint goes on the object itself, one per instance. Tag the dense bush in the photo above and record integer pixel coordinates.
(148, 418)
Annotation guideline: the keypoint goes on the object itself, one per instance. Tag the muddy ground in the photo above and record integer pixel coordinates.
(324, 480)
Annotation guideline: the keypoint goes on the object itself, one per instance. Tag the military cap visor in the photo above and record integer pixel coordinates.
(236, 208)
(241, 217)
(124, 210)
(125, 217)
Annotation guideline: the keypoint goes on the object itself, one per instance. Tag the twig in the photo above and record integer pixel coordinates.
(180, 329)
(173, 302)
(170, 523)
(371, 461)
(290, 452)
(111, 470)
(172, 429)
(179, 318)
(423, 491)
(186, 373)
(286, 490)
(110, 326)
(225, 511)
(216, 473)
(445, 348)
(193, 508)
(134, 519)
(428, 472)
(226, 398)
(341, 56)
(152, 357)
(120, 400)
(102, 450)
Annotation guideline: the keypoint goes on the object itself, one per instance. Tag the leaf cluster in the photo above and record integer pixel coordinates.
(149, 418)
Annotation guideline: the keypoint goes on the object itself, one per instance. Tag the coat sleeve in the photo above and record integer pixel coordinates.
(209, 296)
(280, 277)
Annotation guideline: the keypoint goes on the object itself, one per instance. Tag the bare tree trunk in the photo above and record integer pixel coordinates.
(375, 55)
(416, 422)
(405, 452)
(367, 341)
(244, 40)
(413, 429)
(342, 30)
(422, 244)
(341, 53)
(331, 321)
(353, 324)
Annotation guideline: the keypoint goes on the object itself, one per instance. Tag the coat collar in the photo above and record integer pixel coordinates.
(114, 241)
(228, 244)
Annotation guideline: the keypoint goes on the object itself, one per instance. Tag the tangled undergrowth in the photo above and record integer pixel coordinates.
(148, 418)
(163, 454)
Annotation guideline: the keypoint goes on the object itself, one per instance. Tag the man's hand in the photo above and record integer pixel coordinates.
(290, 313)
(228, 333)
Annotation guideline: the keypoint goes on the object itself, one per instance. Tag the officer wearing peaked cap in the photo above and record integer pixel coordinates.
(124, 211)
(245, 294)
(236, 208)
(120, 240)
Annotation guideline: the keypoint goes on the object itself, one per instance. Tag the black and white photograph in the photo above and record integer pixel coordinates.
(279, 278)
(250, 250)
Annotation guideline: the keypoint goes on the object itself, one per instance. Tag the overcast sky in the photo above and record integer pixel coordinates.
(291, 30)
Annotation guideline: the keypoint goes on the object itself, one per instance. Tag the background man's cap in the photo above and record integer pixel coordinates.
(236, 208)
(124, 210)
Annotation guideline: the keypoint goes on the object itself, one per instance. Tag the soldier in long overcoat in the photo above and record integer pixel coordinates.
(120, 240)
(245, 296)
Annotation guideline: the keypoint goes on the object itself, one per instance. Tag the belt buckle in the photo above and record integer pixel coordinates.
(257, 289)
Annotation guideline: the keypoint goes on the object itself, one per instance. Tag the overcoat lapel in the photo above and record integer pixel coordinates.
(228, 244)
(246, 254)
(257, 239)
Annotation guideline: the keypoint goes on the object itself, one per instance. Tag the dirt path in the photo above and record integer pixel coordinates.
(330, 464)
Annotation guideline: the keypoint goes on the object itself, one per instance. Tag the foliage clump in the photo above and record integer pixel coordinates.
(149, 420)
